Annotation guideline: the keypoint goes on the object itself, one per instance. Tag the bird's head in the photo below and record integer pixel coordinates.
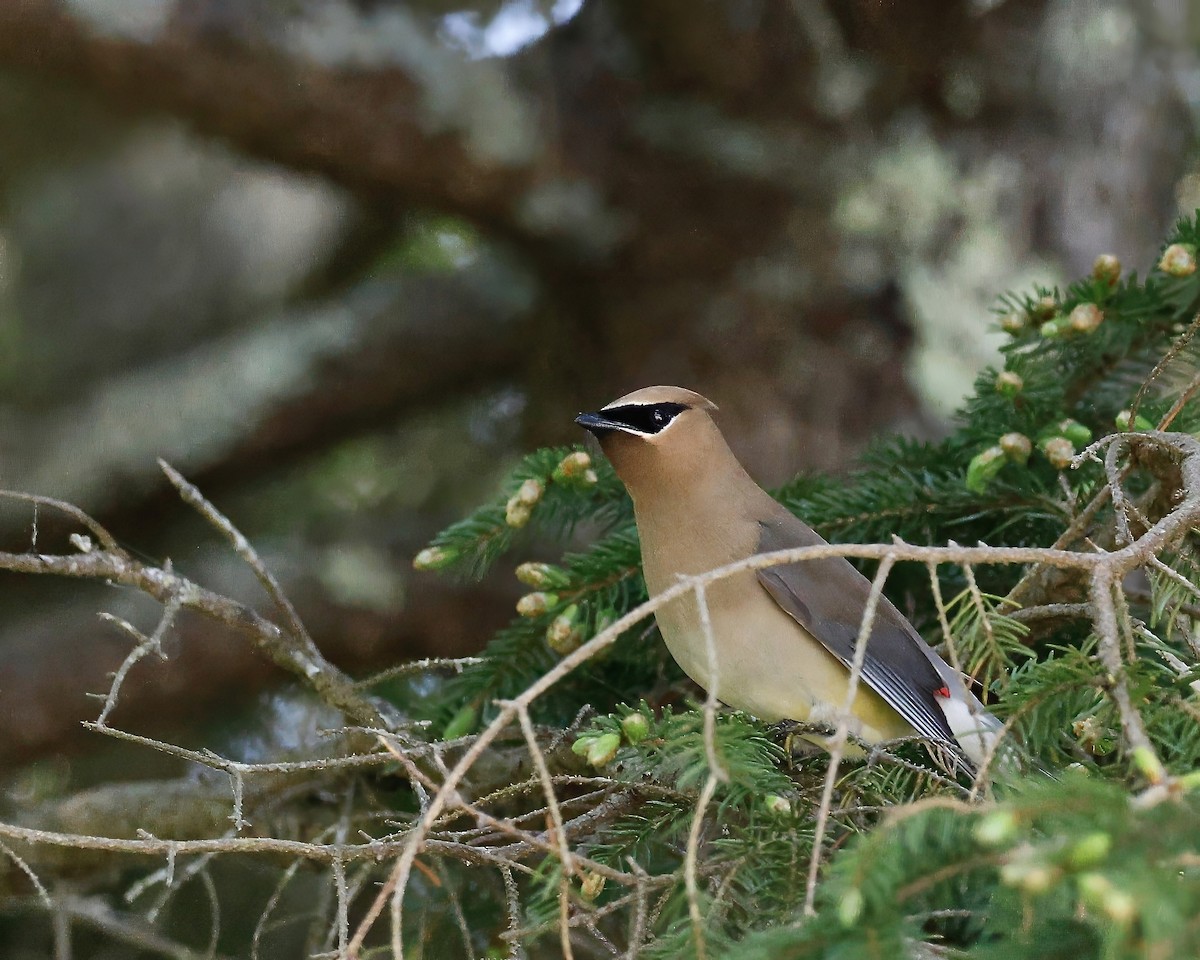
(658, 438)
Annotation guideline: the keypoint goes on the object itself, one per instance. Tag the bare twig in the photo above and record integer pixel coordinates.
(689, 863)
(711, 703)
(838, 744)
(437, 781)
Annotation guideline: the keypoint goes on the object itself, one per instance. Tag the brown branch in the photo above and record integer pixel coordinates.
(441, 800)
(223, 71)
(167, 587)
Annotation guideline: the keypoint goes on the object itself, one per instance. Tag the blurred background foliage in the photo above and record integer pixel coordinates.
(342, 261)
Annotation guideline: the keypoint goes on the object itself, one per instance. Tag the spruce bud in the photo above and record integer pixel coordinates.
(563, 635)
(535, 604)
(1107, 269)
(1059, 451)
(1089, 850)
(1139, 422)
(1085, 318)
(434, 558)
(635, 727)
(1120, 907)
(1052, 329)
(1093, 888)
(983, 468)
(1097, 891)
(462, 723)
(603, 748)
(1094, 738)
(517, 514)
(996, 829)
(1013, 323)
(1075, 431)
(1148, 764)
(520, 505)
(541, 575)
(583, 744)
(593, 884)
(1178, 260)
(780, 806)
(1044, 308)
(1190, 781)
(850, 907)
(574, 469)
(1017, 447)
(1009, 384)
(1030, 876)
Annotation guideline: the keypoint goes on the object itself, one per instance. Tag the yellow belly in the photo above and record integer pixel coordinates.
(766, 663)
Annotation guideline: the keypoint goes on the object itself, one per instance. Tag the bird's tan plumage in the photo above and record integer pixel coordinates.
(785, 635)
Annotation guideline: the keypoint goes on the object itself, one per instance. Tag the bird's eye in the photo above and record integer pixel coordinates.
(660, 417)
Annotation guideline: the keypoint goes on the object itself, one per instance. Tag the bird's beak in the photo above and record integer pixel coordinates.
(598, 424)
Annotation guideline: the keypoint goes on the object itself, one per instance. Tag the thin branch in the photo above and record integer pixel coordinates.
(711, 703)
(244, 549)
(689, 863)
(1164, 361)
(838, 744)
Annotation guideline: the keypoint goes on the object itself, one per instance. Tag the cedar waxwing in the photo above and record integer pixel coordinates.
(784, 635)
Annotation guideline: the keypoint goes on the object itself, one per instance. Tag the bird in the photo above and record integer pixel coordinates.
(784, 636)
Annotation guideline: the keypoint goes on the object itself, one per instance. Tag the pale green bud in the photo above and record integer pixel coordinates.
(1093, 888)
(517, 513)
(541, 575)
(583, 744)
(780, 806)
(462, 723)
(592, 885)
(1107, 268)
(850, 907)
(1148, 764)
(1044, 308)
(983, 468)
(1075, 431)
(602, 749)
(1017, 447)
(1089, 850)
(1190, 781)
(1009, 384)
(1059, 451)
(434, 558)
(1178, 260)
(1030, 876)
(1125, 424)
(1120, 906)
(1052, 329)
(520, 505)
(536, 604)
(1085, 318)
(530, 492)
(1013, 323)
(635, 727)
(575, 469)
(997, 828)
(563, 635)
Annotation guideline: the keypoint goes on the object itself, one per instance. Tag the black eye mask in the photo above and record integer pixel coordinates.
(645, 417)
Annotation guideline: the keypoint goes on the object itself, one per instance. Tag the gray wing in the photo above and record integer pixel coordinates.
(827, 597)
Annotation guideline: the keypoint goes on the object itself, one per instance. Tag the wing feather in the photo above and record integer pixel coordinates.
(827, 597)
